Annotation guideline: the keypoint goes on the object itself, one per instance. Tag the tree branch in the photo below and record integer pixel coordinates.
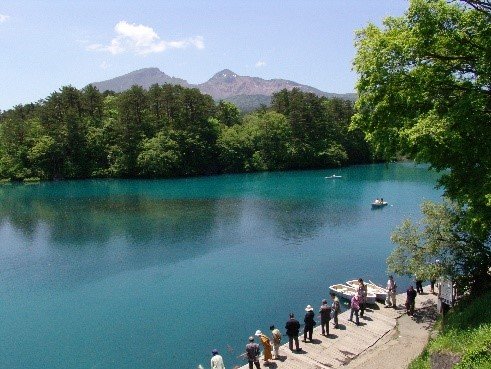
(483, 6)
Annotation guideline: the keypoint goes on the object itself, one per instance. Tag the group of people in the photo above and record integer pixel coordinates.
(378, 201)
(292, 328)
(271, 346)
(411, 294)
(327, 312)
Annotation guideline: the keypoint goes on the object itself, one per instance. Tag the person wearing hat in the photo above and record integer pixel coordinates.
(252, 351)
(309, 323)
(292, 329)
(276, 341)
(216, 360)
(325, 314)
(267, 346)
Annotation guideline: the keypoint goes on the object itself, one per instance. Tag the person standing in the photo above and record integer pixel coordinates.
(276, 341)
(419, 285)
(410, 300)
(292, 329)
(362, 294)
(436, 266)
(432, 286)
(252, 351)
(390, 301)
(355, 308)
(267, 346)
(309, 323)
(216, 360)
(336, 309)
(325, 314)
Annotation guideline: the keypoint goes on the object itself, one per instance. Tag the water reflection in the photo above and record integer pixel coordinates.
(297, 220)
(66, 233)
(100, 266)
(75, 240)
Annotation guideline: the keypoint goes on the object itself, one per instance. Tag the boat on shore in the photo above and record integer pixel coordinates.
(347, 292)
(379, 292)
(333, 176)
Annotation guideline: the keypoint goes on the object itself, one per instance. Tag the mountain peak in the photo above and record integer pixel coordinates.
(148, 71)
(225, 84)
(225, 75)
(144, 77)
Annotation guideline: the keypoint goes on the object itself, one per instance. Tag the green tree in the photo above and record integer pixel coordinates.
(159, 156)
(64, 120)
(438, 246)
(338, 115)
(93, 105)
(44, 154)
(19, 128)
(237, 145)
(228, 113)
(76, 164)
(317, 131)
(165, 106)
(424, 92)
(197, 132)
(130, 129)
(275, 135)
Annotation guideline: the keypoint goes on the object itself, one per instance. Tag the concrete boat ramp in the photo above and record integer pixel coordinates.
(347, 342)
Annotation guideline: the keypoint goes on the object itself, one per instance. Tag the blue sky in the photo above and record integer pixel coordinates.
(48, 44)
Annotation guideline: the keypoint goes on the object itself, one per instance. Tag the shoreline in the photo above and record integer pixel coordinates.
(386, 339)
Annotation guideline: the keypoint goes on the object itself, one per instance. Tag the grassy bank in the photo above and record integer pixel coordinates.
(465, 331)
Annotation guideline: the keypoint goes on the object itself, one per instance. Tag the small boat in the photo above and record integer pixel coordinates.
(379, 292)
(333, 176)
(347, 292)
(342, 290)
(379, 204)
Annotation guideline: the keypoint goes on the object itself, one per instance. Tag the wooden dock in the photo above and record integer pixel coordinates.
(345, 343)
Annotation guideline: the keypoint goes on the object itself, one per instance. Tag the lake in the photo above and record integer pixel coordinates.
(156, 273)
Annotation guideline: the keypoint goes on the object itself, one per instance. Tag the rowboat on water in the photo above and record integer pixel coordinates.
(333, 176)
(379, 292)
(347, 292)
(380, 204)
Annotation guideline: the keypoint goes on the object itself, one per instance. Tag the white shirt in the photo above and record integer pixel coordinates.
(217, 362)
(391, 285)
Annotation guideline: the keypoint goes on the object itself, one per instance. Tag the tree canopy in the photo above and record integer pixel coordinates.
(171, 131)
(425, 93)
(438, 246)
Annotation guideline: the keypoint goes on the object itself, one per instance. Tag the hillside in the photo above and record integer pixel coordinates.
(248, 93)
(143, 77)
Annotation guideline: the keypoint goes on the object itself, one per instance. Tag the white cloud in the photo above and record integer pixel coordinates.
(197, 42)
(260, 64)
(142, 40)
(3, 18)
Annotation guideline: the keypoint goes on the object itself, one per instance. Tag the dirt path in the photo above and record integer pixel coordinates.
(399, 347)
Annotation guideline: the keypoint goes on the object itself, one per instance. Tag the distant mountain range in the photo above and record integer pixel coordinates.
(248, 93)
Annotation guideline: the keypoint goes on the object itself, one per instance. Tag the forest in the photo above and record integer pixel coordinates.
(172, 131)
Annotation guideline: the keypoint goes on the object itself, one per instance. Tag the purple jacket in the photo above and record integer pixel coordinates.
(355, 302)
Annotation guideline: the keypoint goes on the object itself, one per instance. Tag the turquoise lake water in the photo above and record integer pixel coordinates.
(155, 274)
